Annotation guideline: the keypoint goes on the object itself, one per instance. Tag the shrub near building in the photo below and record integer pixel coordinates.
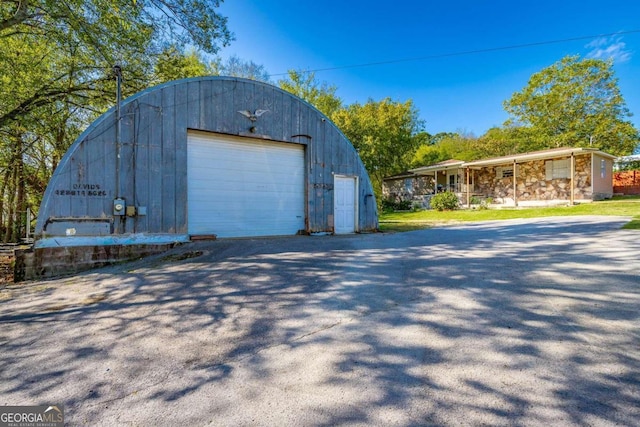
(447, 201)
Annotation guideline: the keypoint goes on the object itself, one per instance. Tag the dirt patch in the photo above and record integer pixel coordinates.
(91, 299)
(182, 256)
(6, 269)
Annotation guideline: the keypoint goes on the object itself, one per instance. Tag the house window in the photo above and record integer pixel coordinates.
(408, 185)
(506, 172)
(557, 169)
(603, 169)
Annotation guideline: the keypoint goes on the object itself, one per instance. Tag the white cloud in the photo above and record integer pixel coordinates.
(609, 48)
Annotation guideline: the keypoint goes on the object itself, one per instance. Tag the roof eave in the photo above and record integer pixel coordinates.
(518, 158)
(433, 168)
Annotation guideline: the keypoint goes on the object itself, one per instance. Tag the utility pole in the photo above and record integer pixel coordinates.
(117, 71)
(118, 203)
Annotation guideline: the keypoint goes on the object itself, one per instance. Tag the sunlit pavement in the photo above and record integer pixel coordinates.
(524, 322)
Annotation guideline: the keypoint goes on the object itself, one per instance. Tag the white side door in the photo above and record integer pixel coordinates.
(344, 204)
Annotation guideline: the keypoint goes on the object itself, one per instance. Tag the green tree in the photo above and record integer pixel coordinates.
(32, 144)
(237, 67)
(435, 139)
(447, 146)
(511, 139)
(384, 133)
(56, 59)
(104, 32)
(320, 95)
(427, 155)
(104, 23)
(174, 64)
(574, 102)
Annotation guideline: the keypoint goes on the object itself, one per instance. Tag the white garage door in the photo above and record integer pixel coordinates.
(241, 187)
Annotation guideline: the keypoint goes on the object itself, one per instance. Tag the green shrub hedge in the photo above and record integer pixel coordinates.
(389, 205)
(447, 201)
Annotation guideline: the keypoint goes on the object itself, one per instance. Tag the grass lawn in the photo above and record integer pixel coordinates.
(406, 221)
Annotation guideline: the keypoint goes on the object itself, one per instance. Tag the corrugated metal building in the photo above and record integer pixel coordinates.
(207, 156)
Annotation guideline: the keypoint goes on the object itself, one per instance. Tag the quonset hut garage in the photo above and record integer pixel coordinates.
(212, 156)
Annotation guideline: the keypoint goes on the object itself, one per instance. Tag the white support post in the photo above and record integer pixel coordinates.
(515, 184)
(573, 174)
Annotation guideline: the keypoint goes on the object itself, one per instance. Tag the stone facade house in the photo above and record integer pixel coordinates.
(556, 176)
(418, 185)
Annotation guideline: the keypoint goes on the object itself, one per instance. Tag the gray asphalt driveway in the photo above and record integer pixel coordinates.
(530, 322)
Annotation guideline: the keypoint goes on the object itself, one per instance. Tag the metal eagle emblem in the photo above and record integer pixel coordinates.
(253, 116)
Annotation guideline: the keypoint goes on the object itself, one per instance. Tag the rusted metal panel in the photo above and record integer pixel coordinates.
(207, 112)
(274, 102)
(77, 205)
(154, 167)
(325, 170)
(80, 227)
(98, 180)
(225, 117)
(182, 118)
(286, 114)
(192, 105)
(149, 120)
(128, 139)
(169, 189)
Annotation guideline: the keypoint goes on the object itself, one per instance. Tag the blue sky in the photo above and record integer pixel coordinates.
(452, 92)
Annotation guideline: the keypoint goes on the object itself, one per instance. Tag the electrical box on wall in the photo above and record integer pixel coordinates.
(119, 206)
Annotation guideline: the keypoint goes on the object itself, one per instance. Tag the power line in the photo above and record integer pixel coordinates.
(466, 52)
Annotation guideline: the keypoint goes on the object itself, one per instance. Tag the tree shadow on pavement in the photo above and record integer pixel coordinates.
(489, 324)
